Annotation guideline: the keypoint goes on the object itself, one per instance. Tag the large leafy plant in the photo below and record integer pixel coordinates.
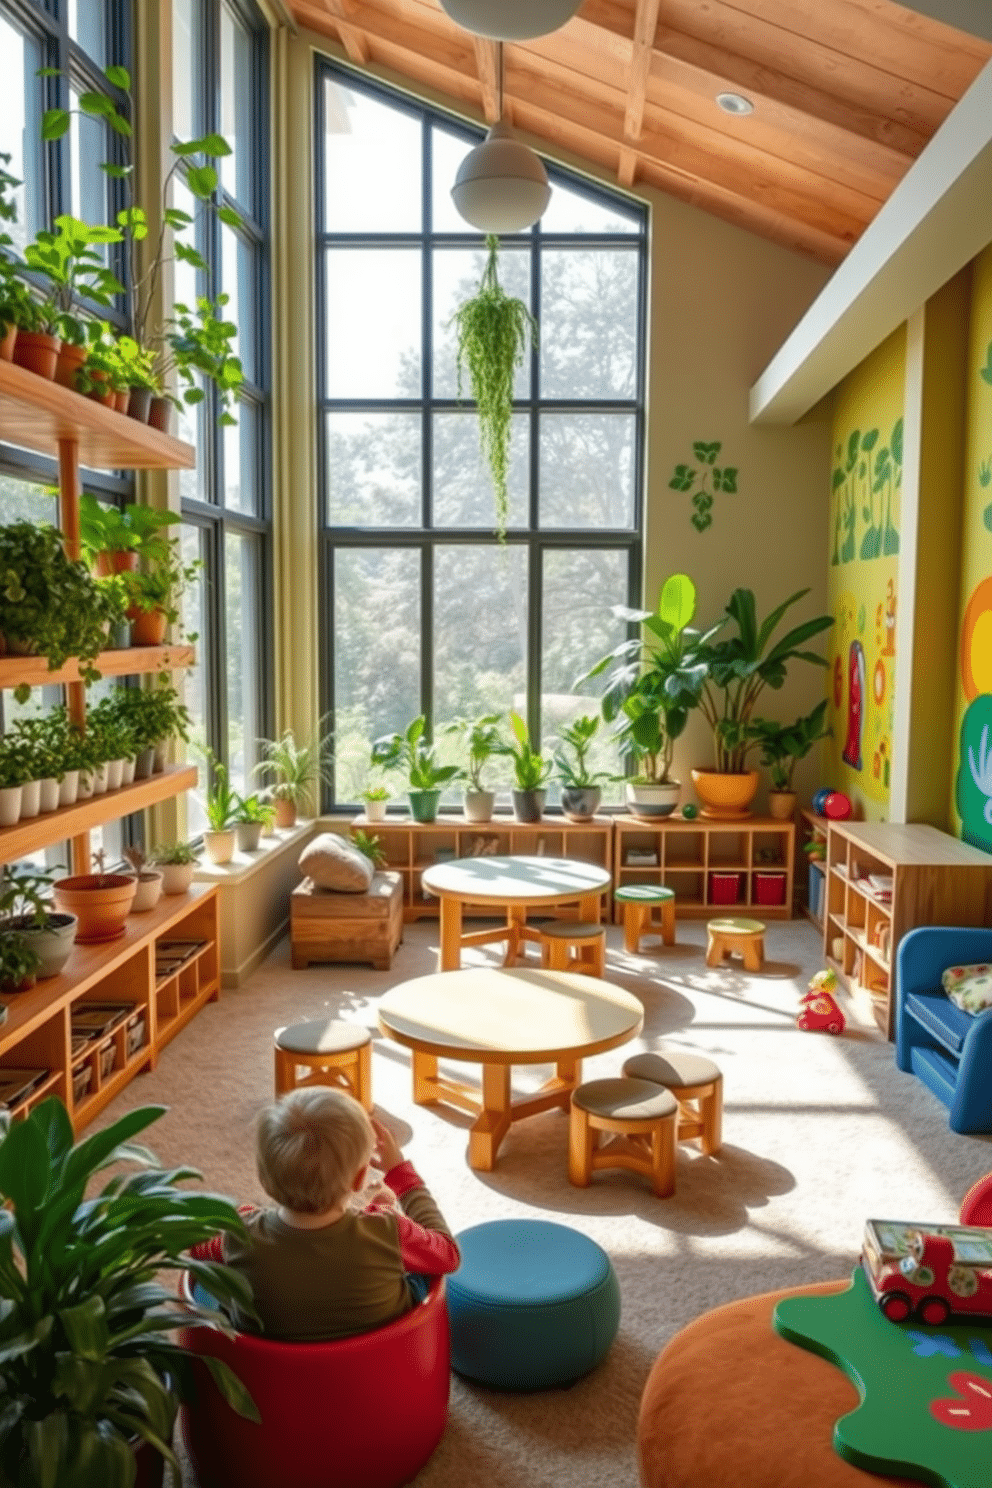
(49, 604)
(530, 769)
(294, 766)
(784, 744)
(414, 753)
(741, 665)
(482, 739)
(493, 329)
(88, 1364)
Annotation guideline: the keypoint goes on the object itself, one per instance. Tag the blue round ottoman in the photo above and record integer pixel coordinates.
(533, 1305)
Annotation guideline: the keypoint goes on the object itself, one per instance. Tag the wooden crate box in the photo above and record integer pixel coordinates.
(325, 925)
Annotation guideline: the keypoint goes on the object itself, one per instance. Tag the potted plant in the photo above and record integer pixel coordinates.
(118, 600)
(149, 889)
(13, 773)
(12, 289)
(26, 908)
(18, 963)
(111, 736)
(178, 862)
(411, 751)
(221, 805)
(100, 901)
(652, 684)
(738, 669)
(580, 794)
(251, 814)
(294, 768)
(49, 605)
(483, 739)
(493, 330)
(370, 845)
(40, 745)
(116, 538)
(92, 1371)
(70, 260)
(782, 746)
(375, 798)
(530, 771)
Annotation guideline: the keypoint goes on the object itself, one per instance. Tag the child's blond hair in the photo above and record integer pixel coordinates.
(310, 1145)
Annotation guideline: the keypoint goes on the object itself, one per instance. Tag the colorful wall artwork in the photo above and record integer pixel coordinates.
(864, 576)
(972, 769)
(704, 481)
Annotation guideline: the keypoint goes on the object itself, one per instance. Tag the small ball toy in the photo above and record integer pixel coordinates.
(837, 806)
(820, 798)
(689, 811)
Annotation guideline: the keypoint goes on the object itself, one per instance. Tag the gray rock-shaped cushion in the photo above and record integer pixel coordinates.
(334, 863)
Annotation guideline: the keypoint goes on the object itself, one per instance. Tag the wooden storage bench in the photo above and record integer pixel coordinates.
(325, 925)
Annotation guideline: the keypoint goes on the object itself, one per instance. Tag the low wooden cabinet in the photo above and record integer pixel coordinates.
(411, 846)
(883, 879)
(713, 866)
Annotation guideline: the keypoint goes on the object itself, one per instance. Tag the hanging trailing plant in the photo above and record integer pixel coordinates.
(493, 329)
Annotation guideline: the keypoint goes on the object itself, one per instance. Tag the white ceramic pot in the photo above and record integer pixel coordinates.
(478, 805)
(30, 799)
(115, 773)
(652, 800)
(148, 892)
(127, 771)
(375, 811)
(177, 877)
(10, 805)
(100, 779)
(48, 795)
(53, 944)
(69, 788)
(219, 846)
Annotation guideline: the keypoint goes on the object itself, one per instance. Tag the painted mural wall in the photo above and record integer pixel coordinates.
(972, 766)
(863, 578)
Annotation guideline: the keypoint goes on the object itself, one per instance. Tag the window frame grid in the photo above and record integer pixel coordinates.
(534, 538)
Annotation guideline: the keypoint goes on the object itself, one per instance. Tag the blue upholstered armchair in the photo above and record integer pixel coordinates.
(949, 1050)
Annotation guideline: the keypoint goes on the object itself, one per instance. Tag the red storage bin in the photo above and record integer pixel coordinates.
(769, 888)
(725, 888)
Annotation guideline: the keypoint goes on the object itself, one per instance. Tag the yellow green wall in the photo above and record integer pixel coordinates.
(971, 786)
(863, 576)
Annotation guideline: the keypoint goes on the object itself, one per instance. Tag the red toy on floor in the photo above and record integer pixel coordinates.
(819, 1011)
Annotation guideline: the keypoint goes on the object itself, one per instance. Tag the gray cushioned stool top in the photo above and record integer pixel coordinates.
(628, 1100)
(673, 1069)
(570, 930)
(321, 1036)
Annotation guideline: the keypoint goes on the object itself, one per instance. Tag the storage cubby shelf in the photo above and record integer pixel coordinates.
(689, 852)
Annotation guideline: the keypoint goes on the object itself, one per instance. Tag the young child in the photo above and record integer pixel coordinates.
(318, 1269)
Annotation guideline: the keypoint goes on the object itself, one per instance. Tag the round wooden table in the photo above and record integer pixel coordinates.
(513, 884)
(498, 1018)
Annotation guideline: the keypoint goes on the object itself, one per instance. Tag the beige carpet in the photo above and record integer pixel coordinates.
(820, 1134)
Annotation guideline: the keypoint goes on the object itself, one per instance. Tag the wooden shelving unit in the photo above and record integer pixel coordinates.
(410, 847)
(814, 828)
(40, 415)
(688, 853)
(936, 880)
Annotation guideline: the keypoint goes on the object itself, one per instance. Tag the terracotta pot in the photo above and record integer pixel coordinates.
(121, 397)
(148, 627)
(107, 397)
(177, 877)
(70, 359)
(285, 812)
(726, 797)
(36, 352)
(781, 804)
(162, 415)
(100, 901)
(139, 404)
(7, 343)
(112, 563)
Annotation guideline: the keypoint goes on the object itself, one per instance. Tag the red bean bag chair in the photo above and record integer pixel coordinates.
(369, 1409)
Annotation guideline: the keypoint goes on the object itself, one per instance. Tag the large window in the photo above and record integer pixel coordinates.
(220, 84)
(424, 609)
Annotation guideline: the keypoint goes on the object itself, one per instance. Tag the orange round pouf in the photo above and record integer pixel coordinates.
(730, 1402)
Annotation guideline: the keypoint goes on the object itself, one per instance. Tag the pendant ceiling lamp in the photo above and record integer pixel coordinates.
(501, 185)
(510, 20)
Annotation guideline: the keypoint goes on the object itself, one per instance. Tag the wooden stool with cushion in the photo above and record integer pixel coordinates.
(648, 909)
(337, 1054)
(736, 937)
(568, 946)
(728, 1401)
(697, 1086)
(637, 1117)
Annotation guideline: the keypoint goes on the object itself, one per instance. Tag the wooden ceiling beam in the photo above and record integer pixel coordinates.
(352, 35)
(487, 65)
(645, 25)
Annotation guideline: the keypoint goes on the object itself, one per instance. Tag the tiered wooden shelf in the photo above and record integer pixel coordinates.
(687, 853)
(936, 880)
(40, 415)
(411, 846)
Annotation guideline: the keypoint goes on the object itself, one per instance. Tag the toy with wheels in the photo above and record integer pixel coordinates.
(932, 1282)
(818, 1009)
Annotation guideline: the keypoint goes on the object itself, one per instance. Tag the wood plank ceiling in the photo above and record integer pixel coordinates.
(846, 95)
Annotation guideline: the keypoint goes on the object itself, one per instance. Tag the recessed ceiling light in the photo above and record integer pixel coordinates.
(735, 103)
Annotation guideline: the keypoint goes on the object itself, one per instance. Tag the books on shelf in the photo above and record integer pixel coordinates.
(641, 857)
(17, 1084)
(96, 1019)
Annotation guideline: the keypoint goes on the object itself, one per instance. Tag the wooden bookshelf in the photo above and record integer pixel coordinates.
(687, 855)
